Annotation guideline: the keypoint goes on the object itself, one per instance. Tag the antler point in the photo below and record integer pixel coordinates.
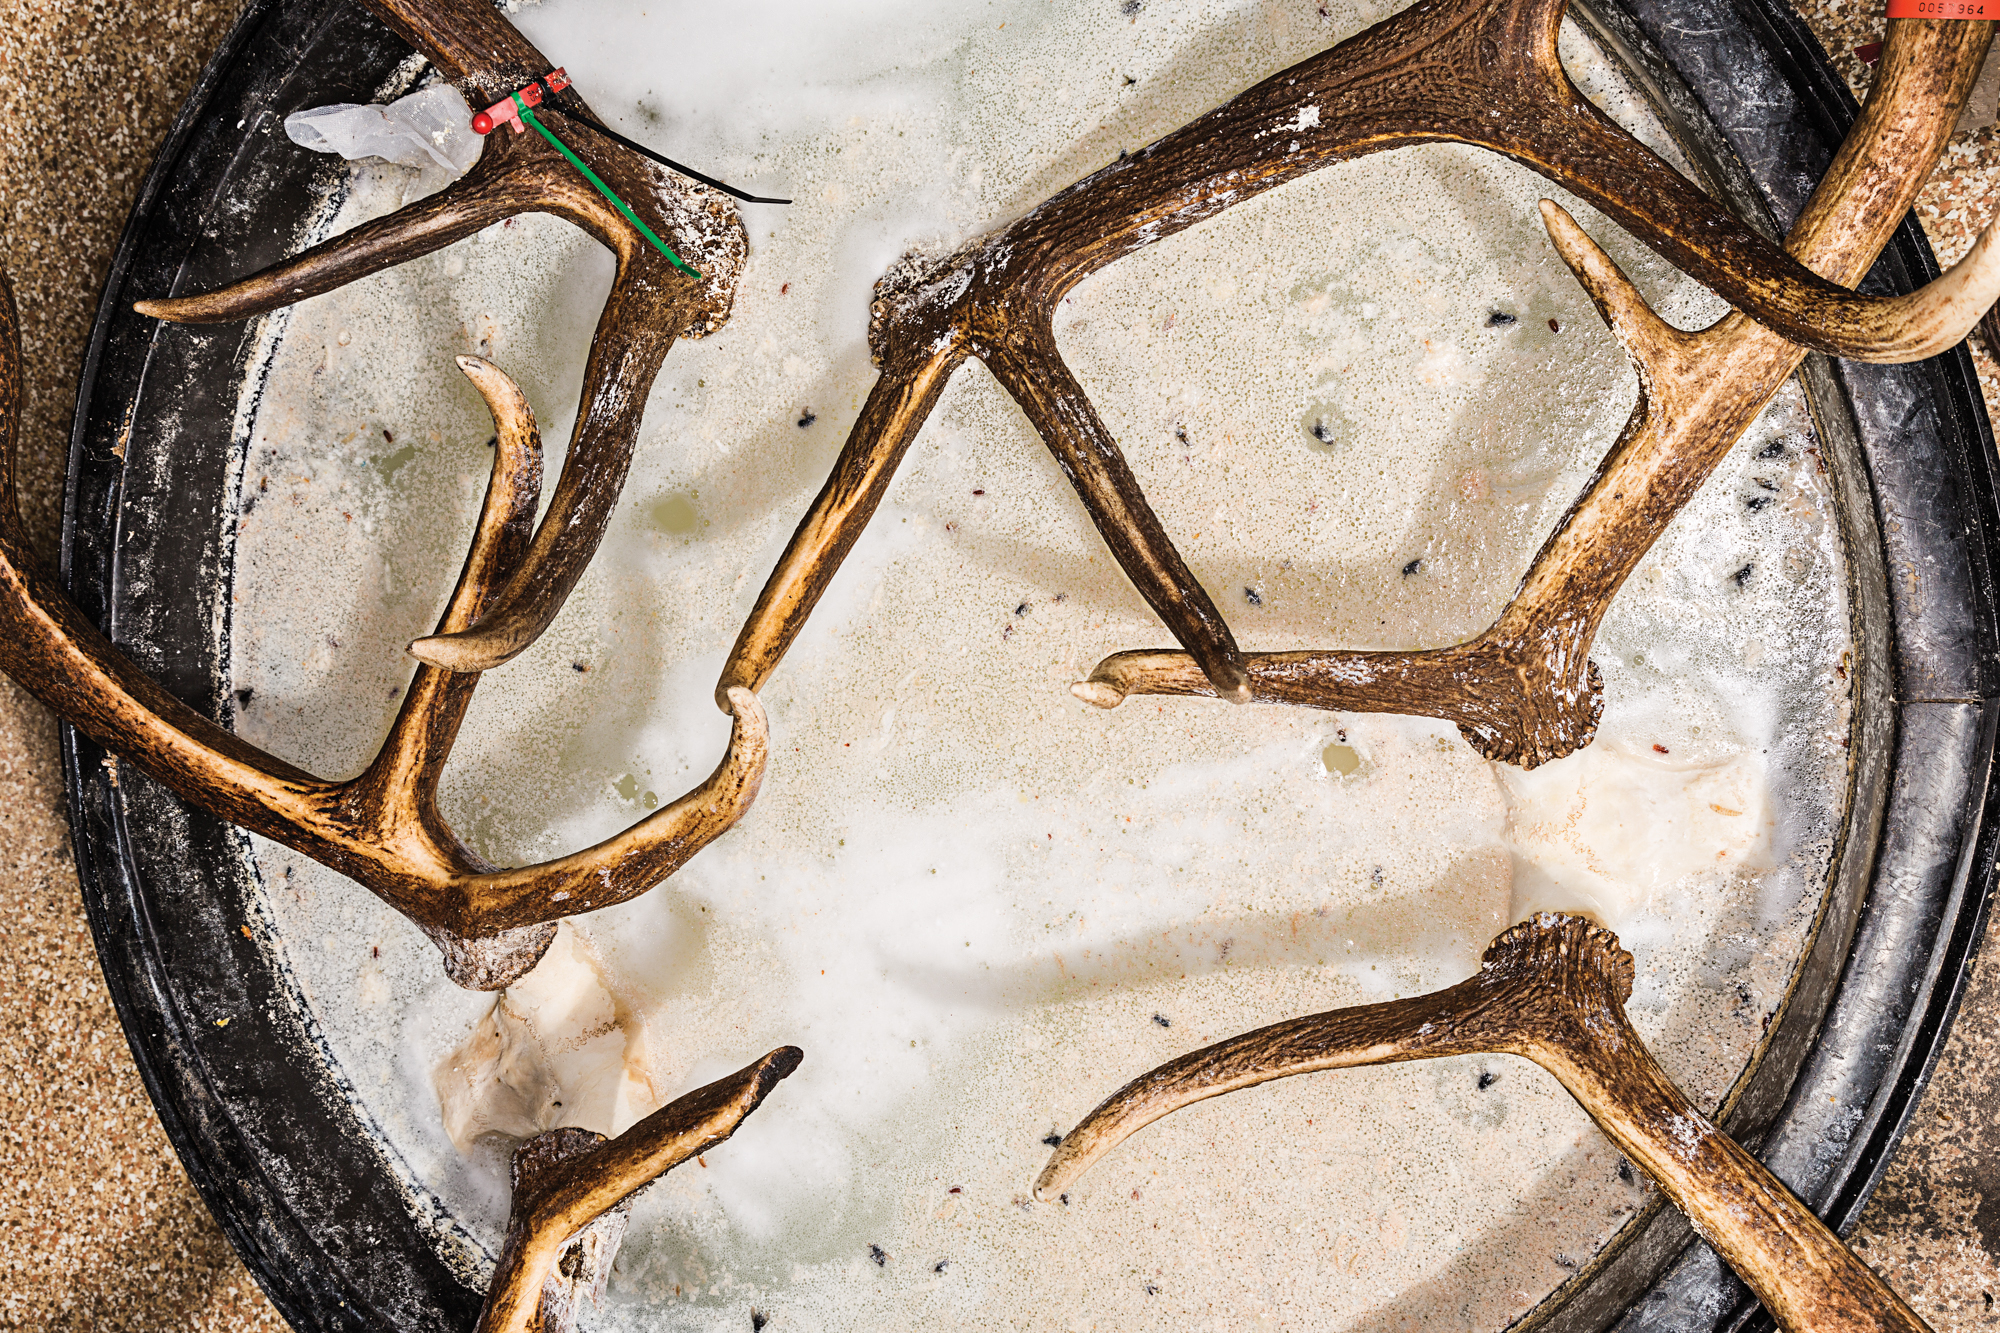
(1098, 693)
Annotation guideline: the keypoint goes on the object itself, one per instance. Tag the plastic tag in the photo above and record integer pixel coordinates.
(1944, 9)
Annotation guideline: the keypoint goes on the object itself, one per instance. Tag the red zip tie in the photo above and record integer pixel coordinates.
(504, 112)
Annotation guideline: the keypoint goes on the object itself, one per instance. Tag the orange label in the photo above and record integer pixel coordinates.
(1944, 9)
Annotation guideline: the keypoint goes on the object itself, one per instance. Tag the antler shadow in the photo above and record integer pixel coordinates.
(1525, 690)
(382, 828)
(651, 303)
(571, 1188)
(1551, 990)
(1482, 72)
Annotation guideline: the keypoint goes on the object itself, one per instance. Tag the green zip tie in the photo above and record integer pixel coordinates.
(603, 189)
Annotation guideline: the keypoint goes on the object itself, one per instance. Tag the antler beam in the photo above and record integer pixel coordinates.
(1525, 691)
(1483, 72)
(568, 1179)
(1552, 990)
(651, 304)
(382, 828)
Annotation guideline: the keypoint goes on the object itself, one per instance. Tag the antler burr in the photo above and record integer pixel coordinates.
(651, 303)
(1552, 990)
(570, 1180)
(1525, 690)
(382, 828)
(1482, 72)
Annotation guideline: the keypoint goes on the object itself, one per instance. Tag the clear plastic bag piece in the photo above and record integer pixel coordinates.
(430, 127)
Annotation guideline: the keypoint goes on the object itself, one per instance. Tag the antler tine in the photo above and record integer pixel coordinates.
(1413, 1029)
(1650, 342)
(1936, 317)
(623, 867)
(1926, 72)
(1552, 989)
(897, 406)
(402, 781)
(483, 196)
(1034, 372)
(566, 1179)
(1698, 393)
(625, 356)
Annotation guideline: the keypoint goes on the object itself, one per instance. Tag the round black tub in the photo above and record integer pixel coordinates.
(258, 1111)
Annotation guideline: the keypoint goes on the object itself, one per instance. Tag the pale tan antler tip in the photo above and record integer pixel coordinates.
(504, 398)
(1081, 1147)
(209, 308)
(1643, 333)
(1937, 316)
(1098, 693)
(1062, 1170)
(466, 652)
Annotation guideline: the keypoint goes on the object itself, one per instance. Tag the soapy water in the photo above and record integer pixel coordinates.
(979, 905)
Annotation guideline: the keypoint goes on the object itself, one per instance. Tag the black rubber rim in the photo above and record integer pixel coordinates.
(277, 1146)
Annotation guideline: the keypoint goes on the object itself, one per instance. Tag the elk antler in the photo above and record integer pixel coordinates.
(651, 302)
(1552, 990)
(571, 1181)
(382, 828)
(1482, 72)
(1525, 690)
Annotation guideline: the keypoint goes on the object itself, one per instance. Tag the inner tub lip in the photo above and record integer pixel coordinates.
(279, 1147)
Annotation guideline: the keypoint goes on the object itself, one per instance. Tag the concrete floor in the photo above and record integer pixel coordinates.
(103, 1230)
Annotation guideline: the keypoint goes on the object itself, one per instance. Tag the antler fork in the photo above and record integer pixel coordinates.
(1482, 72)
(383, 827)
(1525, 690)
(651, 301)
(1552, 990)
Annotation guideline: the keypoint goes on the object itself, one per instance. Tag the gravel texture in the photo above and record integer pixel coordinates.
(104, 1231)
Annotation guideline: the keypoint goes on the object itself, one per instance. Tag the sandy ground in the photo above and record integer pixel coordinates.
(103, 1229)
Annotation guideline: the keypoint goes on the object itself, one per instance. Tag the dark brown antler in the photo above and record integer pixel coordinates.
(651, 303)
(570, 1181)
(382, 828)
(1552, 990)
(1482, 72)
(1525, 690)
